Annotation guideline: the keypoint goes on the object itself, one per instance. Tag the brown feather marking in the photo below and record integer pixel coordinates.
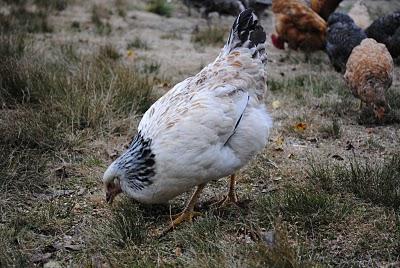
(237, 64)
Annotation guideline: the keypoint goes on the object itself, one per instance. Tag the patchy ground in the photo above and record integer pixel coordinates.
(76, 77)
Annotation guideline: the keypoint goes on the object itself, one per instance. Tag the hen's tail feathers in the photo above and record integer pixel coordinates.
(246, 32)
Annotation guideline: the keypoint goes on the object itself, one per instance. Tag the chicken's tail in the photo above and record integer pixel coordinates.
(246, 32)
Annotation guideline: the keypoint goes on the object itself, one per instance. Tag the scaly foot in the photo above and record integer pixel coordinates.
(180, 218)
(184, 216)
(227, 200)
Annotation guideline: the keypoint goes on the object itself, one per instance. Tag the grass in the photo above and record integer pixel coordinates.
(308, 83)
(25, 20)
(108, 51)
(58, 5)
(211, 36)
(171, 36)
(121, 6)
(305, 208)
(160, 7)
(375, 183)
(100, 16)
(138, 43)
(127, 225)
(331, 130)
(49, 107)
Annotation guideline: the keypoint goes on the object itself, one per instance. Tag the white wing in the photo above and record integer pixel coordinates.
(192, 129)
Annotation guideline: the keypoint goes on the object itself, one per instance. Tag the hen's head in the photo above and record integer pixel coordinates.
(132, 171)
(380, 108)
(277, 41)
(374, 93)
(338, 17)
(111, 181)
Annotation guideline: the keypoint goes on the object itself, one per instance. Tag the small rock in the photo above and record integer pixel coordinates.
(269, 238)
(52, 264)
(41, 257)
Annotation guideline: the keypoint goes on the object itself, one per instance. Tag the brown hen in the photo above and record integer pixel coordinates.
(298, 25)
(324, 8)
(369, 73)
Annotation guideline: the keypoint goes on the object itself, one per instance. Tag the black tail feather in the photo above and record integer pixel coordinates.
(245, 32)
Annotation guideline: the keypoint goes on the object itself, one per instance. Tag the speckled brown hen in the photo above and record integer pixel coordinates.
(369, 73)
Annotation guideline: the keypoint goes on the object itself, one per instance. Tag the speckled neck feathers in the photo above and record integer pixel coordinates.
(138, 163)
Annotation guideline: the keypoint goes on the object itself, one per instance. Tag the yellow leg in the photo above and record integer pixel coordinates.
(231, 198)
(188, 214)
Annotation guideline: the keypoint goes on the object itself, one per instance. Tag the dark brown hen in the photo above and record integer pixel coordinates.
(386, 30)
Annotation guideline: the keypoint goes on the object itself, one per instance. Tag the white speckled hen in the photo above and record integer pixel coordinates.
(205, 128)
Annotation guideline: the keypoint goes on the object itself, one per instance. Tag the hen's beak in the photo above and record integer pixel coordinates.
(112, 190)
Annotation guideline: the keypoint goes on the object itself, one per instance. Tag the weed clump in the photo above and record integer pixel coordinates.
(160, 7)
(331, 130)
(308, 209)
(22, 20)
(100, 16)
(374, 182)
(138, 43)
(211, 36)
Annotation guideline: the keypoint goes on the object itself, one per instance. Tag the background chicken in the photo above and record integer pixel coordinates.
(222, 7)
(324, 8)
(298, 25)
(386, 30)
(369, 73)
(259, 6)
(359, 13)
(205, 128)
(228, 7)
(342, 36)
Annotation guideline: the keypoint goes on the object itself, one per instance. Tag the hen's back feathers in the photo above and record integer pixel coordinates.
(342, 36)
(386, 30)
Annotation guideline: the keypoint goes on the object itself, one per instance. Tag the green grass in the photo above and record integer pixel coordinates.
(25, 21)
(160, 7)
(210, 36)
(331, 129)
(376, 182)
(303, 207)
(58, 5)
(138, 43)
(108, 51)
(316, 85)
(100, 16)
(121, 6)
(171, 36)
(50, 108)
